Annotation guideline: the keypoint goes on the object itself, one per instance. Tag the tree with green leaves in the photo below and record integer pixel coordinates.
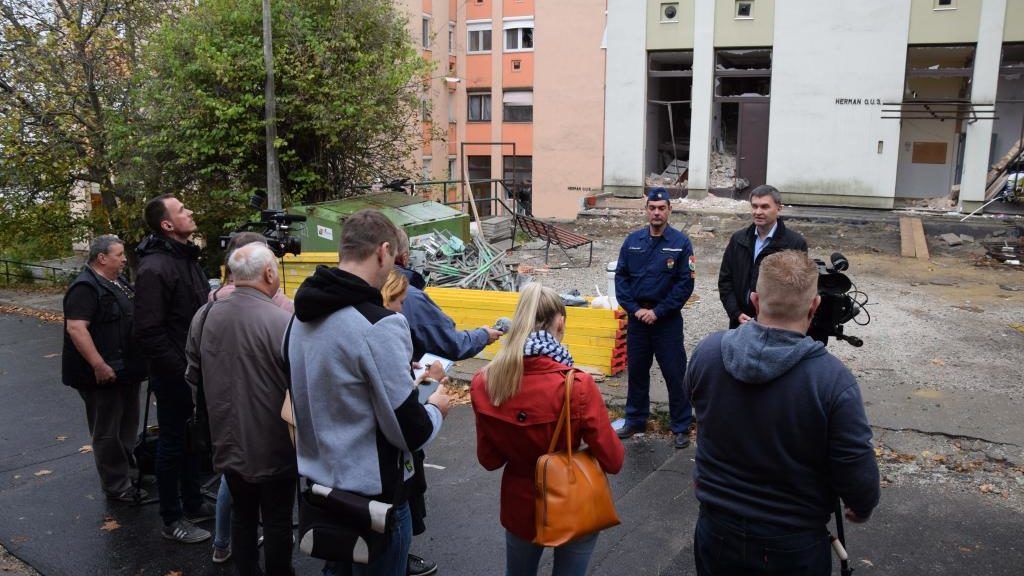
(66, 98)
(348, 80)
(135, 98)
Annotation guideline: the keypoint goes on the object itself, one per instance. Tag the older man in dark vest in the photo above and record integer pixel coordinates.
(101, 362)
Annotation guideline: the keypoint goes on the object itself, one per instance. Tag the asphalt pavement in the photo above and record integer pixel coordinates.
(53, 515)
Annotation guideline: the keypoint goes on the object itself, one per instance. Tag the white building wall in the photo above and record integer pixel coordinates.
(625, 93)
(824, 51)
(984, 85)
(702, 95)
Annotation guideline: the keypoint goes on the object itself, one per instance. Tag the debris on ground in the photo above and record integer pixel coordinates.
(32, 312)
(450, 262)
(951, 239)
(723, 170)
(1007, 251)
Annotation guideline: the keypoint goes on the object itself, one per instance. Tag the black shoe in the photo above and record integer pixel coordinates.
(628, 432)
(681, 441)
(419, 566)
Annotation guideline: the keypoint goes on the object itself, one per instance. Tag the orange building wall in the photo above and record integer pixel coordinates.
(512, 8)
(428, 7)
(481, 11)
(521, 79)
(478, 132)
(521, 134)
(478, 71)
(568, 105)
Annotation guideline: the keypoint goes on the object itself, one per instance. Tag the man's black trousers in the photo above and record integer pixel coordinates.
(273, 500)
(177, 470)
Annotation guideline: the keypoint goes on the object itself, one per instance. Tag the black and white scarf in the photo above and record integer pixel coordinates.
(542, 343)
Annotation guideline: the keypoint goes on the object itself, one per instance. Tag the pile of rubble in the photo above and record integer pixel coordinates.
(445, 260)
(723, 171)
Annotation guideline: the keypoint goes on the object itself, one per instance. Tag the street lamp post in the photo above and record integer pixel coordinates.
(273, 174)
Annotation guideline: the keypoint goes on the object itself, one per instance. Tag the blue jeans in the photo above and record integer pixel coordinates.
(222, 523)
(177, 471)
(726, 544)
(393, 562)
(645, 342)
(571, 559)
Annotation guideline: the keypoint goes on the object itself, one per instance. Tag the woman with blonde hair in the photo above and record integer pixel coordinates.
(394, 290)
(517, 399)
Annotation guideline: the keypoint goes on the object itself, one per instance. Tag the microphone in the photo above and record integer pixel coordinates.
(839, 262)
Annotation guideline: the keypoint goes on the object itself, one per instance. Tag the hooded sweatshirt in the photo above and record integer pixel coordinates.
(782, 429)
(357, 412)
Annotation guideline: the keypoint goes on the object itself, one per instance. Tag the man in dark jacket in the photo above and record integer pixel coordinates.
(235, 350)
(433, 332)
(748, 247)
(170, 286)
(101, 362)
(782, 434)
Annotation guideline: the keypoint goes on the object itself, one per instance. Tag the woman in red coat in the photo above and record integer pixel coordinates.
(517, 399)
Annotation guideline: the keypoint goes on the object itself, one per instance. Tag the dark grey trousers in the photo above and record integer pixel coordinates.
(113, 416)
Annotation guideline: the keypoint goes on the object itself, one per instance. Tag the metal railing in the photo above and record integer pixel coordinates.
(15, 272)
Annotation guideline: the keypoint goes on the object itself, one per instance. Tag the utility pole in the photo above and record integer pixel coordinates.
(273, 174)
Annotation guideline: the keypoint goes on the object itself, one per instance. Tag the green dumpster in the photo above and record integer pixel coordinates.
(416, 215)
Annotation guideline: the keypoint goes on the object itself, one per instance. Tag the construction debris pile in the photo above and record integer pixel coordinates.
(445, 260)
(674, 176)
(497, 228)
(1007, 251)
(723, 171)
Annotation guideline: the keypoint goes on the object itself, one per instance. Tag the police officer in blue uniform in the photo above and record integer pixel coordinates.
(653, 280)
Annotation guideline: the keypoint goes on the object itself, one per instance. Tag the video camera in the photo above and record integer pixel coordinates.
(841, 302)
(275, 226)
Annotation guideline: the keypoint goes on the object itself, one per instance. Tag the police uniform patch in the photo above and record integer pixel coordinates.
(693, 266)
(670, 263)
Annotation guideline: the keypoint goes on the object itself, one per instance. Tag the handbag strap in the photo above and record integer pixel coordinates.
(564, 418)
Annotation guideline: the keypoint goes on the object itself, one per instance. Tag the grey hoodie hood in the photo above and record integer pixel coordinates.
(756, 354)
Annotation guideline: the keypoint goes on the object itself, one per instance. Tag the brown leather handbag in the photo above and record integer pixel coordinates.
(573, 498)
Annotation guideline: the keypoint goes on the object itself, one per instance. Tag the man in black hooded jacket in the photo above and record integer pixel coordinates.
(782, 434)
(170, 287)
(748, 247)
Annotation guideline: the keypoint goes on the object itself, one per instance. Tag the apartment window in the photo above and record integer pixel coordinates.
(451, 38)
(452, 117)
(479, 37)
(426, 32)
(427, 163)
(424, 109)
(479, 107)
(670, 11)
(518, 34)
(744, 9)
(945, 4)
(517, 106)
(452, 174)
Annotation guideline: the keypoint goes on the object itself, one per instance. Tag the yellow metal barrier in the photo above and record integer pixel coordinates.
(595, 337)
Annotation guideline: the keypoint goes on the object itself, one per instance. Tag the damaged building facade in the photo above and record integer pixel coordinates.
(867, 103)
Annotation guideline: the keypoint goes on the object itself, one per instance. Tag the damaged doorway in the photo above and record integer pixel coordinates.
(1006, 164)
(739, 127)
(667, 145)
(933, 116)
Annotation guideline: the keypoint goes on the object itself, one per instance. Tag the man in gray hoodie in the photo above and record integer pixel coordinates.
(782, 434)
(357, 412)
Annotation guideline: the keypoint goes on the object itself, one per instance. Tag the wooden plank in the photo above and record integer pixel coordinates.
(920, 242)
(1002, 163)
(995, 187)
(907, 249)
